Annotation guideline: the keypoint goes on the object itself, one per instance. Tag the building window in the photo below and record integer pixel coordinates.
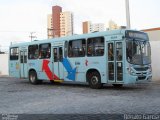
(33, 52)
(77, 48)
(14, 53)
(45, 51)
(95, 46)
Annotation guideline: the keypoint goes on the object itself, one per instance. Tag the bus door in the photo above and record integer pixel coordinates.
(115, 62)
(58, 69)
(23, 63)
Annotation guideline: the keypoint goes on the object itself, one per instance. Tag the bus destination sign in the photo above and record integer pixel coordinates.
(136, 35)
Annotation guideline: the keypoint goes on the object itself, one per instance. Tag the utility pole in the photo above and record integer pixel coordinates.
(32, 36)
(128, 14)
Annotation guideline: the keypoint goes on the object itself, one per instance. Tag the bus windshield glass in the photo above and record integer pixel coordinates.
(138, 52)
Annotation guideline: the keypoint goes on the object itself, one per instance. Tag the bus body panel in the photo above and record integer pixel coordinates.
(14, 65)
(60, 66)
(14, 69)
(77, 66)
(38, 66)
(98, 64)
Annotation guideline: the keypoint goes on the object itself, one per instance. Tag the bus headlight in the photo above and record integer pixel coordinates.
(130, 71)
(150, 69)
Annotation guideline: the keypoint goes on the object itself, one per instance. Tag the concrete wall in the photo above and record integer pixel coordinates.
(155, 46)
(154, 35)
(3, 64)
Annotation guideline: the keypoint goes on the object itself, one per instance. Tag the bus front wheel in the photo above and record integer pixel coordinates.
(33, 78)
(94, 80)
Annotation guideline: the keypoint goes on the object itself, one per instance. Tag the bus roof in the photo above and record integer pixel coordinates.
(81, 36)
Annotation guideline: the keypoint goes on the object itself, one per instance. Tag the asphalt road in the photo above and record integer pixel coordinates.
(18, 96)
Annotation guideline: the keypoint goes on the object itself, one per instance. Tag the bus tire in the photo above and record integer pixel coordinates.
(94, 80)
(33, 78)
(117, 85)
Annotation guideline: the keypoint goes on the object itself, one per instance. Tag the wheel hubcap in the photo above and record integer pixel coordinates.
(32, 78)
(94, 80)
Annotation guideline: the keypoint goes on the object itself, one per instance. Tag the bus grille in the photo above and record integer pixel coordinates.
(142, 78)
(141, 69)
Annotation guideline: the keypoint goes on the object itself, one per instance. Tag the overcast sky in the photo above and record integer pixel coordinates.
(20, 17)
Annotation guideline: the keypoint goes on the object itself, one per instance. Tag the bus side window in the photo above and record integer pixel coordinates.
(95, 46)
(45, 51)
(55, 55)
(65, 49)
(77, 48)
(60, 54)
(14, 53)
(70, 52)
(33, 52)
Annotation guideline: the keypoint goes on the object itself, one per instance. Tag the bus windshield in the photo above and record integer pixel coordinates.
(138, 52)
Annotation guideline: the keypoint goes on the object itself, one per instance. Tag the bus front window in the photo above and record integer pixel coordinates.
(138, 52)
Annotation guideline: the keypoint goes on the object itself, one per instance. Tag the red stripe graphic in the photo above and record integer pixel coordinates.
(47, 70)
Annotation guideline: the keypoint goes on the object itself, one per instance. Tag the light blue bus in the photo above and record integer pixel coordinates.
(115, 57)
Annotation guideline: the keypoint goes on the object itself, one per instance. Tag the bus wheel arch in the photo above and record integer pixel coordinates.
(93, 77)
(33, 78)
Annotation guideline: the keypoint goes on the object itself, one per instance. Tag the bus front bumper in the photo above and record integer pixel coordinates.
(138, 79)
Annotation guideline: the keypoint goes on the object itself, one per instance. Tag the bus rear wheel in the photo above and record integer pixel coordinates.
(33, 78)
(94, 80)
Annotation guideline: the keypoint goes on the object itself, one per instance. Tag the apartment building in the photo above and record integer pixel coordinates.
(49, 26)
(59, 23)
(88, 27)
(97, 27)
(56, 10)
(113, 26)
(66, 24)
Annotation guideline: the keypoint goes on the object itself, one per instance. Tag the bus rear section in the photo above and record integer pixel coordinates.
(14, 62)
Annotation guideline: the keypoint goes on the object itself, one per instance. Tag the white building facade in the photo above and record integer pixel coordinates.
(97, 27)
(66, 24)
(88, 27)
(49, 26)
(112, 25)
(3, 64)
